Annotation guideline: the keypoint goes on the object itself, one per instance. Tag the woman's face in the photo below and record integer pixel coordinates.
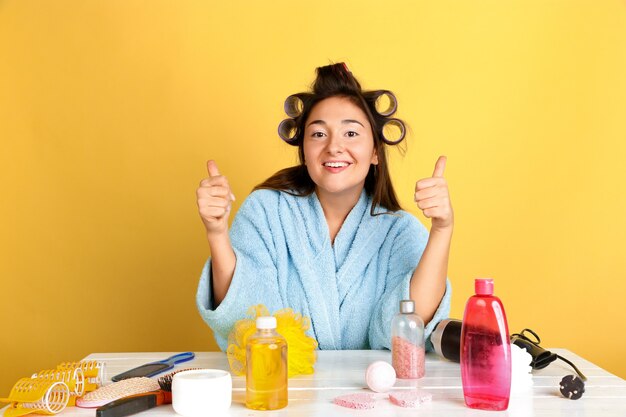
(338, 147)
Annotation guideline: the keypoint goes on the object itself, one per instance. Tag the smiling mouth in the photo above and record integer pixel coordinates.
(336, 164)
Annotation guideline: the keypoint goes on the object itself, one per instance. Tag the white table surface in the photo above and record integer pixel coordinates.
(342, 372)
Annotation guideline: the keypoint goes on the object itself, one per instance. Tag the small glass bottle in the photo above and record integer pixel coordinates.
(266, 367)
(407, 342)
(485, 350)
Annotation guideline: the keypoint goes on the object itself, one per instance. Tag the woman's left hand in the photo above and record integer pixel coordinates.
(432, 197)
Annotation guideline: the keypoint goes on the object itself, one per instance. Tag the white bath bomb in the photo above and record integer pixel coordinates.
(380, 376)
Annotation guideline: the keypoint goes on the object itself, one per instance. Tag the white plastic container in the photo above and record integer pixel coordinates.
(202, 392)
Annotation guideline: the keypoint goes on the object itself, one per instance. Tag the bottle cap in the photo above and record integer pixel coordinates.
(267, 322)
(483, 286)
(407, 307)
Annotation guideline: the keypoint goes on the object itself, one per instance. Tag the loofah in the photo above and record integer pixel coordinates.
(292, 326)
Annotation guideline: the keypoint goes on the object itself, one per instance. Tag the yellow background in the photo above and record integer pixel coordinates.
(109, 110)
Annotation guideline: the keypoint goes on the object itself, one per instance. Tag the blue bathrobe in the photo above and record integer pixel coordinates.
(350, 289)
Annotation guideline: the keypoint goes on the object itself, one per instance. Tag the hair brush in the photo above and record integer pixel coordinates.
(154, 368)
(116, 390)
(140, 402)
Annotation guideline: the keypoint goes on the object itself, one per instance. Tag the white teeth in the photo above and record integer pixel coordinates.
(336, 164)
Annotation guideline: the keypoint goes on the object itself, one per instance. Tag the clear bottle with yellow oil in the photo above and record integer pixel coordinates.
(266, 367)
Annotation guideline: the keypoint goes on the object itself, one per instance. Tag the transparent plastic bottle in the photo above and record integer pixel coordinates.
(266, 367)
(407, 342)
(485, 350)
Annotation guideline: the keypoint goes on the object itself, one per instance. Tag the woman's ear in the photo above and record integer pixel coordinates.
(375, 158)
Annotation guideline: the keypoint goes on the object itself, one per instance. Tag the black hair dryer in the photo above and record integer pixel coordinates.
(446, 340)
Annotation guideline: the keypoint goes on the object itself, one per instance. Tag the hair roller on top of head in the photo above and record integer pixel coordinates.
(337, 80)
(383, 101)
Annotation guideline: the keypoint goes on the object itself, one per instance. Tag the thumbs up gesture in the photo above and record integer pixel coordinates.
(214, 200)
(432, 197)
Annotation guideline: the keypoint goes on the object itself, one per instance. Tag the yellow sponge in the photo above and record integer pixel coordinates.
(292, 326)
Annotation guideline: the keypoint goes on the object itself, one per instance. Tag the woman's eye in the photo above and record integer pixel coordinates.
(352, 134)
(317, 134)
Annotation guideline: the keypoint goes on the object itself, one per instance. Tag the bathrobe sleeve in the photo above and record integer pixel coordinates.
(408, 240)
(255, 277)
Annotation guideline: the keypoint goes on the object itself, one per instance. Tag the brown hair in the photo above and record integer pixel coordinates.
(337, 81)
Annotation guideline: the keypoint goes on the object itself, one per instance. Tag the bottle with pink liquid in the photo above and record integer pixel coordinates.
(485, 350)
(407, 342)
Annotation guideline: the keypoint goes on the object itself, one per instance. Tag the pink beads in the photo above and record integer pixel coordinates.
(407, 342)
(407, 359)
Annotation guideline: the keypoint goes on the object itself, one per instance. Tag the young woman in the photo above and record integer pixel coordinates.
(327, 237)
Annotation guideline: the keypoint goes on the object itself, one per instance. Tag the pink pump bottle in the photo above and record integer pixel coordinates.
(485, 350)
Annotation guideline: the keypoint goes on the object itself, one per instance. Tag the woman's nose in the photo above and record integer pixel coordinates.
(334, 145)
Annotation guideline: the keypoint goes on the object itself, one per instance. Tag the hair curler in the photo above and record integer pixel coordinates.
(38, 395)
(73, 378)
(393, 131)
(294, 105)
(288, 131)
(93, 371)
(385, 102)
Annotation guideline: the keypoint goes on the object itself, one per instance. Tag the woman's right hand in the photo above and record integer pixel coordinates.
(214, 201)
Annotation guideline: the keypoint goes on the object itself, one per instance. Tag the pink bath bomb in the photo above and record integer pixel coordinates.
(360, 401)
(410, 399)
(380, 376)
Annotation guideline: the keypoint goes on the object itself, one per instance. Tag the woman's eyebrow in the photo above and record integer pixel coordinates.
(317, 122)
(346, 121)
